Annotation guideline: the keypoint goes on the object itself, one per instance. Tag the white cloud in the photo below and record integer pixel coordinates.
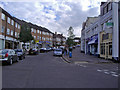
(55, 15)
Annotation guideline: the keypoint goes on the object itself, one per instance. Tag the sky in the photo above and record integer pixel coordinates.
(55, 15)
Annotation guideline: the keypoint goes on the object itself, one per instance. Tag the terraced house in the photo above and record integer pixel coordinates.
(9, 31)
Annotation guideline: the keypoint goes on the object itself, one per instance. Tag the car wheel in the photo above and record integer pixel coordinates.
(11, 61)
(21, 58)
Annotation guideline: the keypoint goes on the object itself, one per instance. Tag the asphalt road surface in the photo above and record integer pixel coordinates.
(47, 71)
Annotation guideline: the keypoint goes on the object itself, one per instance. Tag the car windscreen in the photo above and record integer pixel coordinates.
(3, 51)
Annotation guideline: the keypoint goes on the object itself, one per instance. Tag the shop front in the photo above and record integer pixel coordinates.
(93, 45)
(106, 45)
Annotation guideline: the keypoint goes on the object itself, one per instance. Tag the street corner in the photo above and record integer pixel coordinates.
(66, 59)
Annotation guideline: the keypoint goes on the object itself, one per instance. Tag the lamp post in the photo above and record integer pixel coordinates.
(119, 29)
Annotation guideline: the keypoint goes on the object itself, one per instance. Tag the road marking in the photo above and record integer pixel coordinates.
(114, 75)
(99, 70)
(106, 72)
(112, 72)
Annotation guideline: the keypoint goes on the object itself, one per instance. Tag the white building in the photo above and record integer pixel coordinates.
(101, 36)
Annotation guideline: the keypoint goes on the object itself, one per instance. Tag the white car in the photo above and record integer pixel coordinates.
(57, 52)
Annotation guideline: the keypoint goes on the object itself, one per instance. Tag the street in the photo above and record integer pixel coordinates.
(47, 71)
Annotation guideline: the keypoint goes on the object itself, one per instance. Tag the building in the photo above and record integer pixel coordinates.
(101, 36)
(58, 40)
(42, 36)
(9, 31)
(86, 33)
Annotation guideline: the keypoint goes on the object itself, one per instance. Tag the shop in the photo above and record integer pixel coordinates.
(93, 45)
(106, 45)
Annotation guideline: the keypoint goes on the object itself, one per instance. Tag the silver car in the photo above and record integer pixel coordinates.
(57, 52)
(8, 55)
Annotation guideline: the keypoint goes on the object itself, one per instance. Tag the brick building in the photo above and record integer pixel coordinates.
(9, 31)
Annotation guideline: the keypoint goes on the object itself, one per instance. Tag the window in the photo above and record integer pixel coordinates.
(3, 29)
(103, 49)
(8, 31)
(3, 16)
(34, 37)
(42, 38)
(38, 37)
(16, 25)
(40, 32)
(15, 34)
(11, 32)
(8, 20)
(32, 29)
(12, 22)
(37, 31)
(18, 35)
(109, 6)
(105, 10)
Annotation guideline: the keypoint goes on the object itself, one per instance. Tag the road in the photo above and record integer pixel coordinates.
(47, 71)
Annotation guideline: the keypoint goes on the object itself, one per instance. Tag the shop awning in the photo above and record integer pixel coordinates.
(91, 42)
(94, 40)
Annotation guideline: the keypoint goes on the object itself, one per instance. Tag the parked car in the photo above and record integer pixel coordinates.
(57, 52)
(42, 50)
(9, 56)
(33, 51)
(73, 47)
(20, 53)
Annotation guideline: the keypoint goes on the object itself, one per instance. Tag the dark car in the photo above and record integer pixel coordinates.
(8, 55)
(42, 50)
(20, 53)
(33, 51)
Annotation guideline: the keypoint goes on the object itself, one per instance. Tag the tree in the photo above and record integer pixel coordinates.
(25, 34)
(71, 36)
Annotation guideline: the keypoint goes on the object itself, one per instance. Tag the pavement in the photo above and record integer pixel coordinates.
(78, 57)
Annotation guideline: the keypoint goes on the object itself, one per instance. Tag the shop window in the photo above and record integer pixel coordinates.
(110, 49)
(103, 49)
(105, 36)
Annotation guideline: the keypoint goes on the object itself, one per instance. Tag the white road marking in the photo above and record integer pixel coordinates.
(114, 75)
(106, 72)
(99, 70)
(112, 72)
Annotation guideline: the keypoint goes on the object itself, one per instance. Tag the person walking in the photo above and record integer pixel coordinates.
(70, 52)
